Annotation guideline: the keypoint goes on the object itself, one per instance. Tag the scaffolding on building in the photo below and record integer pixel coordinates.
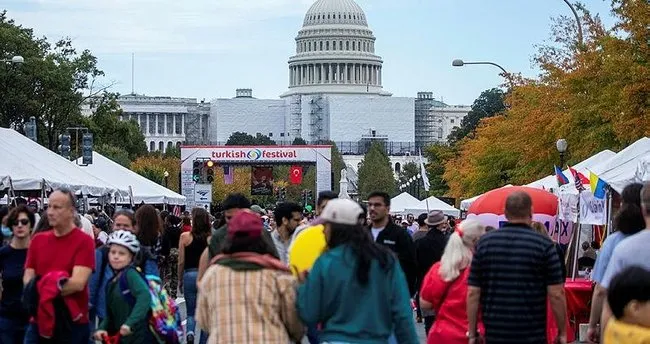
(317, 111)
(429, 120)
(295, 116)
(196, 123)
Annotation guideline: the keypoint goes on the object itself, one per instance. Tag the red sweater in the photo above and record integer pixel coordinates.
(48, 290)
(449, 300)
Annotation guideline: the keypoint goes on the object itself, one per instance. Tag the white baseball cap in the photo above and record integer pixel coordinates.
(342, 211)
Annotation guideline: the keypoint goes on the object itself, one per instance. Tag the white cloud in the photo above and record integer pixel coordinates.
(160, 26)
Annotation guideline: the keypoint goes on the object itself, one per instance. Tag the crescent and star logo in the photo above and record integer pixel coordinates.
(254, 154)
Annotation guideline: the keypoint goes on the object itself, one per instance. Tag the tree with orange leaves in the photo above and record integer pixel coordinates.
(595, 95)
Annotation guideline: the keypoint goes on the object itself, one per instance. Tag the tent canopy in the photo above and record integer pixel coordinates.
(550, 182)
(621, 169)
(403, 201)
(26, 165)
(144, 190)
(432, 203)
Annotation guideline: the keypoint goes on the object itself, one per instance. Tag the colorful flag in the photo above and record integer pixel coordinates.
(597, 185)
(228, 175)
(177, 211)
(295, 174)
(579, 179)
(423, 173)
(561, 178)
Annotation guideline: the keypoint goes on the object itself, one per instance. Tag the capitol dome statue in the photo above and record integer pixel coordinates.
(335, 52)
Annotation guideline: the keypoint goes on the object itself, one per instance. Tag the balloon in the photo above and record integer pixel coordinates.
(489, 209)
(306, 248)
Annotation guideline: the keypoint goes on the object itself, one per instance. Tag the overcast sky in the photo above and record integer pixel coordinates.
(208, 48)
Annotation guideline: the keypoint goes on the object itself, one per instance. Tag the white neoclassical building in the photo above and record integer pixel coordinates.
(335, 52)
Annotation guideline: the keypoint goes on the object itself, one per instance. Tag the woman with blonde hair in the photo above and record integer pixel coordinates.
(444, 288)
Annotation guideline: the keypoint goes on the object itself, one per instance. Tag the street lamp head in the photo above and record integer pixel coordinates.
(17, 60)
(166, 174)
(457, 63)
(561, 145)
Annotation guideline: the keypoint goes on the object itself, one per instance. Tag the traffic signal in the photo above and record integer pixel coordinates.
(309, 196)
(87, 148)
(64, 146)
(196, 173)
(209, 172)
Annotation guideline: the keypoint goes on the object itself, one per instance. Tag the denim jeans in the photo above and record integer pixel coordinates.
(12, 331)
(190, 293)
(80, 334)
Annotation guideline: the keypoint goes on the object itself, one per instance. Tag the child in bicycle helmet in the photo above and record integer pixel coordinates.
(128, 321)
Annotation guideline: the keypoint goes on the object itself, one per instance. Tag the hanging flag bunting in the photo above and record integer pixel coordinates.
(579, 179)
(228, 175)
(561, 178)
(295, 174)
(597, 185)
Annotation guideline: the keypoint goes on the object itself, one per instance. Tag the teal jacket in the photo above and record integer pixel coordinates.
(351, 312)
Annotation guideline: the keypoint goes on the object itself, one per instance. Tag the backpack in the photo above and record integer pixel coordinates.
(165, 318)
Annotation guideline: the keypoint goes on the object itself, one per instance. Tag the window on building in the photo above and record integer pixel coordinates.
(152, 146)
(152, 124)
(440, 133)
(179, 124)
(161, 146)
(398, 167)
(309, 46)
(347, 45)
(354, 45)
(169, 145)
(452, 120)
(161, 124)
(327, 45)
(340, 45)
(281, 134)
(178, 145)
(270, 134)
(142, 122)
(334, 45)
(321, 46)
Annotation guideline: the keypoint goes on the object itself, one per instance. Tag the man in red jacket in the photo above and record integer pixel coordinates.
(66, 249)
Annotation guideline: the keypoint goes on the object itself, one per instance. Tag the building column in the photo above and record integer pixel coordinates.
(329, 73)
(183, 125)
(379, 76)
(165, 119)
(174, 124)
(345, 73)
(147, 115)
(322, 74)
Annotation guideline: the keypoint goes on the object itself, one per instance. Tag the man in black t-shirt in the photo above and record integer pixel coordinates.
(513, 273)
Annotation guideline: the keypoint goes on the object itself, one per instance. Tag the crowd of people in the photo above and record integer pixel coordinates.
(347, 273)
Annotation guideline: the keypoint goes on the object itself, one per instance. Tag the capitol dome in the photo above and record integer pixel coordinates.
(335, 12)
(335, 52)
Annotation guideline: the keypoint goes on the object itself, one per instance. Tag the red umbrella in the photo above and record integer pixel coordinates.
(489, 208)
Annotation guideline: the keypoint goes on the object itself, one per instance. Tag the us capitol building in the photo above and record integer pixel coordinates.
(335, 93)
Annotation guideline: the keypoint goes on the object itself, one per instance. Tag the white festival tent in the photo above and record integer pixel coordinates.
(432, 203)
(402, 201)
(26, 165)
(143, 189)
(624, 168)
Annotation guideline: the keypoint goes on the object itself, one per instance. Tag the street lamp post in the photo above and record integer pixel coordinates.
(166, 178)
(461, 63)
(16, 60)
(561, 146)
(575, 14)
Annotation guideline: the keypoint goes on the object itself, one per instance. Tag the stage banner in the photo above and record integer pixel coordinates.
(261, 180)
(592, 209)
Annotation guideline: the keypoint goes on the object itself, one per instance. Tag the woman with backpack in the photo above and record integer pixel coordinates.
(190, 247)
(125, 320)
(147, 230)
(123, 219)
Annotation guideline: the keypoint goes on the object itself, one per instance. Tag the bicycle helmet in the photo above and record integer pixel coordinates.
(126, 239)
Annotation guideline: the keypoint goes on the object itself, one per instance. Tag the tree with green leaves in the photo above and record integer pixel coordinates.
(299, 141)
(375, 172)
(114, 136)
(337, 165)
(437, 155)
(51, 85)
(239, 138)
(490, 103)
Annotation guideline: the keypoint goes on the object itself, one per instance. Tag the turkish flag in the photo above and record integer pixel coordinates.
(295, 174)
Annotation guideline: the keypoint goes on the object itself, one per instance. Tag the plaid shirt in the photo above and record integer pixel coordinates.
(253, 306)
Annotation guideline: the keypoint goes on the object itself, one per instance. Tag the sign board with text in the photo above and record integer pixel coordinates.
(321, 156)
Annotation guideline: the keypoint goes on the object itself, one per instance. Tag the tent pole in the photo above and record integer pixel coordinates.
(574, 270)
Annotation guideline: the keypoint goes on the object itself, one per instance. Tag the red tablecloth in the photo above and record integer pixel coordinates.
(578, 301)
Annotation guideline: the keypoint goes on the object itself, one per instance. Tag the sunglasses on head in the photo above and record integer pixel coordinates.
(23, 222)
